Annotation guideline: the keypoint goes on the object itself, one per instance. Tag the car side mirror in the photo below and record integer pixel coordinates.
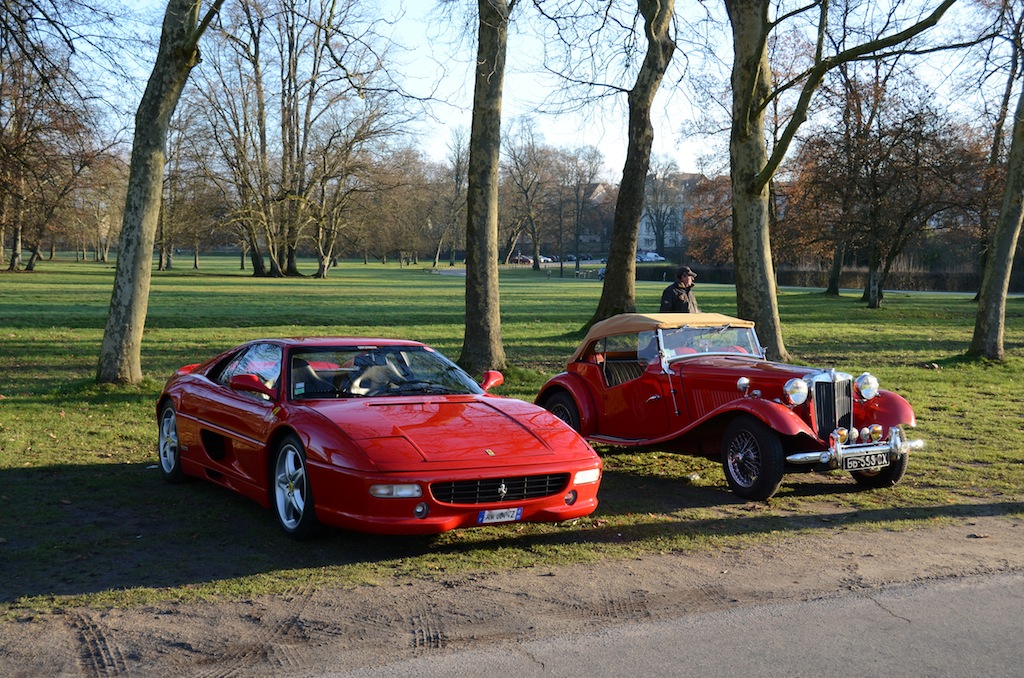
(492, 379)
(250, 383)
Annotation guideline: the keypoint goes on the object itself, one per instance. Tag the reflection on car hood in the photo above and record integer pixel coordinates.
(463, 432)
(734, 362)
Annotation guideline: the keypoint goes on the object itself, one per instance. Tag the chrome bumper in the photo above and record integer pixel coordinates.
(896, 446)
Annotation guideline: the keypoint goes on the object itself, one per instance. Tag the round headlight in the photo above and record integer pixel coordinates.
(796, 391)
(866, 386)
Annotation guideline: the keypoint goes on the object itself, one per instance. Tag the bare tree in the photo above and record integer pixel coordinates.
(989, 324)
(618, 295)
(48, 126)
(528, 166)
(482, 347)
(120, 354)
(663, 199)
(452, 190)
(753, 164)
(584, 165)
(895, 165)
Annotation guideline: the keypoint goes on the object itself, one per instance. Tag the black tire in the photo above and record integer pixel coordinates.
(564, 407)
(752, 459)
(291, 495)
(168, 449)
(887, 476)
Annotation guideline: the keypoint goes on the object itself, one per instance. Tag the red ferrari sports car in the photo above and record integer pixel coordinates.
(375, 435)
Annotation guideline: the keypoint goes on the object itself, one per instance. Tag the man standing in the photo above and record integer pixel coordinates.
(678, 297)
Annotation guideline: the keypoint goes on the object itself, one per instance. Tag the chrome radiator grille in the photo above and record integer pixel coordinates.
(833, 406)
(494, 490)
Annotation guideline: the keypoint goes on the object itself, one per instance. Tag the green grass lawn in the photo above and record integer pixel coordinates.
(85, 517)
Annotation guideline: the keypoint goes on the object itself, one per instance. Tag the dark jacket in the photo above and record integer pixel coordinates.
(678, 299)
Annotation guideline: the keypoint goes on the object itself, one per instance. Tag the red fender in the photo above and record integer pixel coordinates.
(577, 388)
(775, 415)
(888, 409)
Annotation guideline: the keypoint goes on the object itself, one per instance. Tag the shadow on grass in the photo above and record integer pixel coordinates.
(70, 530)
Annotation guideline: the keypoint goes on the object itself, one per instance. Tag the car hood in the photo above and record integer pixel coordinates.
(732, 364)
(461, 432)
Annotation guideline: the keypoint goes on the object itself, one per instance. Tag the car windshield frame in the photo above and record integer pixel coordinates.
(357, 371)
(688, 341)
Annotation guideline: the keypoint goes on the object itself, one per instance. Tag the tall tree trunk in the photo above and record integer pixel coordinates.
(34, 256)
(989, 325)
(120, 354)
(15, 262)
(618, 293)
(482, 347)
(752, 258)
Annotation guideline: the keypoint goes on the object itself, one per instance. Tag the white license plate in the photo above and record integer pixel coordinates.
(499, 516)
(859, 462)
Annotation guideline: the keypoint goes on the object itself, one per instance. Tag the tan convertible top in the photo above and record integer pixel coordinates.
(627, 323)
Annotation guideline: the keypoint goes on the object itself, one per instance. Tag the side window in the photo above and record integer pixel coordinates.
(263, 360)
(623, 361)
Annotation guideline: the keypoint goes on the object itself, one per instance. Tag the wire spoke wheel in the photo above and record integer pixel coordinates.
(752, 458)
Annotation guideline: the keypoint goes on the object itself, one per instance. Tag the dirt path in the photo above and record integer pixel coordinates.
(316, 631)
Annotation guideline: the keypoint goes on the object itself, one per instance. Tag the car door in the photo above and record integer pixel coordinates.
(633, 402)
(236, 424)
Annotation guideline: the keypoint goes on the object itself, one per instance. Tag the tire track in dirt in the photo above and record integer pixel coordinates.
(98, 654)
(277, 648)
(426, 630)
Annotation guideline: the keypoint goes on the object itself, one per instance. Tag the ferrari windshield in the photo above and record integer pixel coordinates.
(724, 339)
(353, 371)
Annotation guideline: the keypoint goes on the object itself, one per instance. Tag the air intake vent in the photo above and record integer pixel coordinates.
(496, 490)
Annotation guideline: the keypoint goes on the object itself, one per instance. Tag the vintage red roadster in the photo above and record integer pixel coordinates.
(700, 383)
(376, 435)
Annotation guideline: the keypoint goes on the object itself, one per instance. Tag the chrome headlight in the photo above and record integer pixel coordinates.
(796, 391)
(866, 386)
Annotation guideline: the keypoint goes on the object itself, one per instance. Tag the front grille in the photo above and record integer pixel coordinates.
(833, 406)
(494, 490)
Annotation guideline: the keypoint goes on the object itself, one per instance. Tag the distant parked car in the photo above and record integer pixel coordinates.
(545, 259)
(699, 383)
(521, 259)
(647, 257)
(376, 435)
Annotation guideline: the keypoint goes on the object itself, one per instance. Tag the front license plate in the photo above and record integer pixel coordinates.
(499, 516)
(858, 462)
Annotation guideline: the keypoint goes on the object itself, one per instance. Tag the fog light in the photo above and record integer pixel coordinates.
(421, 510)
(570, 498)
(842, 434)
(876, 432)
